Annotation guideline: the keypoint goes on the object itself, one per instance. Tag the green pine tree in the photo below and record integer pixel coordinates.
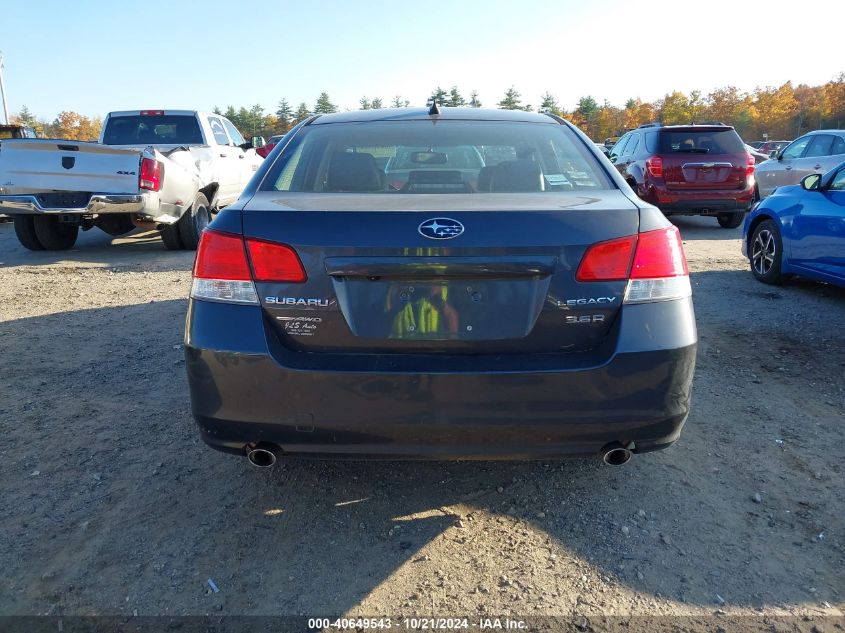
(284, 115)
(549, 104)
(511, 100)
(324, 104)
(455, 99)
(301, 113)
(439, 95)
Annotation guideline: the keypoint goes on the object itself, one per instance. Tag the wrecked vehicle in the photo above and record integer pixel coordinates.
(169, 170)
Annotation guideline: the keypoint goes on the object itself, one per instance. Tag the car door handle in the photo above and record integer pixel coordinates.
(788, 168)
(817, 167)
(241, 156)
(223, 155)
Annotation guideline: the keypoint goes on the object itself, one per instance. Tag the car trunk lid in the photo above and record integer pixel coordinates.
(376, 283)
(703, 158)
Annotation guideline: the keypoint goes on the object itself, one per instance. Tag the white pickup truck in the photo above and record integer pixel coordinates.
(163, 169)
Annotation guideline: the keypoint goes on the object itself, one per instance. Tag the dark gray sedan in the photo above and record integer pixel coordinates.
(534, 308)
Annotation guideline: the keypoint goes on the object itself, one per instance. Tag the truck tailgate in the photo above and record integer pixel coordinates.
(34, 166)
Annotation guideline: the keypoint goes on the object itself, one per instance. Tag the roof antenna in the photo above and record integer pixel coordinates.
(433, 109)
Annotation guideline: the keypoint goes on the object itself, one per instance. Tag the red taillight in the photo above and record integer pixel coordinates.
(152, 112)
(656, 254)
(221, 256)
(152, 173)
(607, 261)
(274, 262)
(750, 165)
(659, 254)
(230, 257)
(655, 166)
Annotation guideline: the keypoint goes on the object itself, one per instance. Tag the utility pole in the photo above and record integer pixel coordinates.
(3, 92)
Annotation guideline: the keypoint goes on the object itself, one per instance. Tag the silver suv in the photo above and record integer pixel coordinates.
(815, 152)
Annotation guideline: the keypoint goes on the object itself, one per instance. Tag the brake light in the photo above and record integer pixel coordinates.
(152, 112)
(659, 253)
(221, 270)
(654, 165)
(653, 262)
(221, 256)
(227, 266)
(152, 173)
(750, 165)
(274, 262)
(607, 261)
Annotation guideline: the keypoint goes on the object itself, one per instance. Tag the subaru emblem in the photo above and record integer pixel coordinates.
(441, 228)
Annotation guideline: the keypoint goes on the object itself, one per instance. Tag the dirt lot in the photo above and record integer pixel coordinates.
(110, 504)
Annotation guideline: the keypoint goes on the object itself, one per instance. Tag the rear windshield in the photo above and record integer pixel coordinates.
(165, 129)
(700, 142)
(436, 157)
(10, 134)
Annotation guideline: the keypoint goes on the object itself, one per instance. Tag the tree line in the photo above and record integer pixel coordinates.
(783, 112)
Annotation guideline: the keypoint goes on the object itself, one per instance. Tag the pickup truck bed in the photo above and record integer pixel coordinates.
(168, 170)
(69, 177)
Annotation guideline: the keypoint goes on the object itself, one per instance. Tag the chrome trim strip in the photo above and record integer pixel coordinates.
(99, 203)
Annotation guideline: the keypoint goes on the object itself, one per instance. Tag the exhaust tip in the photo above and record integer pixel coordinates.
(616, 454)
(261, 456)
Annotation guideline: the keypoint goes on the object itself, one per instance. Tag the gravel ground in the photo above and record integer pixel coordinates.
(110, 504)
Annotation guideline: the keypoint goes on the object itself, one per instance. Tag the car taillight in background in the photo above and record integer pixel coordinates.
(227, 266)
(655, 166)
(152, 173)
(749, 165)
(653, 262)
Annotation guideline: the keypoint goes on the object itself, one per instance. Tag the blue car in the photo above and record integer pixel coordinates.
(799, 230)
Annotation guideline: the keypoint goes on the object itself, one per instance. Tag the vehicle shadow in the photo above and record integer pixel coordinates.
(695, 227)
(112, 504)
(98, 249)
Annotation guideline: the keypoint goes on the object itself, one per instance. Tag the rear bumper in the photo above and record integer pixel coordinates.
(99, 203)
(699, 202)
(639, 393)
(146, 205)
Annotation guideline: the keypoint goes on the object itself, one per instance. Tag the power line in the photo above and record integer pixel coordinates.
(3, 91)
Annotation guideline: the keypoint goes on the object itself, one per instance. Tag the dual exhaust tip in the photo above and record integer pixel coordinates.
(265, 455)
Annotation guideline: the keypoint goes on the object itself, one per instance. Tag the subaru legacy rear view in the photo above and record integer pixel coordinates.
(446, 285)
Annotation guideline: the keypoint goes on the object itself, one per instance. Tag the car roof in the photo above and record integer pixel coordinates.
(446, 114)
(839, 132)
(164, 110)
(693, 127)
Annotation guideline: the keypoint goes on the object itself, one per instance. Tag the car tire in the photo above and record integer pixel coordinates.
(54, 235)
(25, 230)
(766, 252)
(730, 220)
(193, 222)
(170, 237)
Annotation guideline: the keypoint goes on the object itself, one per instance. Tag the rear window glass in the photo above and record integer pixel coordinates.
(152, 130)
(700, 142)
(436, 157)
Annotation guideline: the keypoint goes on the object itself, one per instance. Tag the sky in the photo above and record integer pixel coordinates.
(94, 56)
